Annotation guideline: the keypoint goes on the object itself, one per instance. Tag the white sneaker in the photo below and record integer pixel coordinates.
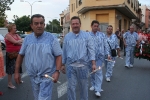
(92, 88)
(108, 79)
(131, 66)
(98, 94)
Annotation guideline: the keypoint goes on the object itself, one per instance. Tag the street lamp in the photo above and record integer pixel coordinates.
(31, 4)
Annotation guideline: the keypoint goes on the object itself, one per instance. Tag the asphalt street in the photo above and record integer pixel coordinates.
(126, 84)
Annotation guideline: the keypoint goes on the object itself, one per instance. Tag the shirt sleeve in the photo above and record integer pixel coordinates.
(116, 43)
(106, 47)
(64, 52)
(23, 47)
(91, 49)
(56, 48)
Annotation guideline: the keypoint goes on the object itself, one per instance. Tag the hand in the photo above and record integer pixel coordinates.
(93, 67)
(109, 58)
(17, 78)
(56, 76)
(63, 69)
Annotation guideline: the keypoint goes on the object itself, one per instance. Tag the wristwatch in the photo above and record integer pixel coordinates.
(57, 70)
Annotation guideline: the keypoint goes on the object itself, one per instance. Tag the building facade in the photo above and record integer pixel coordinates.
(118, 13)
(145, 17)
(65, 20)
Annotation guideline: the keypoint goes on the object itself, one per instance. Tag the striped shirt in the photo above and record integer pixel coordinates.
(131, 38)
(40, 53)
(113, 41)
(78, 48)
(101, 45)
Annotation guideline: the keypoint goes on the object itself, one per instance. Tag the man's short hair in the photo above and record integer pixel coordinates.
(109, 26)
(76, 17)
(94, 21)
(37, 15)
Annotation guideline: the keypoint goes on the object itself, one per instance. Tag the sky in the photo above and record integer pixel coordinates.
(49, 8)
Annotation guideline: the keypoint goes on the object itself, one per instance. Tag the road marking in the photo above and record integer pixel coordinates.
(62, 89)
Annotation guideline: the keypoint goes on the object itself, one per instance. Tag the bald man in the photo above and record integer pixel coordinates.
(130, 39)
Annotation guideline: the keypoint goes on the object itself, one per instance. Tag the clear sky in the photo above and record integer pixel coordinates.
(49, 8)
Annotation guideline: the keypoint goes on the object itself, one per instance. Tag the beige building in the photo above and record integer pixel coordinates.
(118, 13)
(65, 20)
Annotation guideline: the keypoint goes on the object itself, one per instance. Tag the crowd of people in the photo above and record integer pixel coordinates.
(82, 52)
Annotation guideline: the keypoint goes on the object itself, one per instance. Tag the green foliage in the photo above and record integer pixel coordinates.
(2, 20)
(4, 5)
(22, 23)
(54, 26)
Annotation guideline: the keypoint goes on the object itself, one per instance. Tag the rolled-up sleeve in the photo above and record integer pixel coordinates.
(57, 51)
(23, 47)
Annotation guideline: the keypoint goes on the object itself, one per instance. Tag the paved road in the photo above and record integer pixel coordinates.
(126, 84)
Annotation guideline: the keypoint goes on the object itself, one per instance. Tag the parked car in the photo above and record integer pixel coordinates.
(23, 35)
(3, 45)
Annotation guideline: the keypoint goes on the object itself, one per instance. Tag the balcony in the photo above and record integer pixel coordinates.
(121, 8)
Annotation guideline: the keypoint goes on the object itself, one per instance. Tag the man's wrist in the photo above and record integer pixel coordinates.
(57, 70)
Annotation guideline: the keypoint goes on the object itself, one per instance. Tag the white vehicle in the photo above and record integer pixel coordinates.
(3, 45)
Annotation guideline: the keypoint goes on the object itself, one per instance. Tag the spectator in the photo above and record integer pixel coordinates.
(13, 45)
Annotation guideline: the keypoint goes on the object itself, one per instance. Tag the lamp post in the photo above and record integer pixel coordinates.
(31, 4)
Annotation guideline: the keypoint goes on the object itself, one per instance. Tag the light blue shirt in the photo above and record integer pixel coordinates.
(113, 41)
(131, 38)
(78, 48)
(40, 54)
(101, 45)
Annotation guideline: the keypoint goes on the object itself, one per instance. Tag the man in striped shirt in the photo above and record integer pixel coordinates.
(130, 41)
(78, 51)
(42, 54)
(113, 44)
(101, 49)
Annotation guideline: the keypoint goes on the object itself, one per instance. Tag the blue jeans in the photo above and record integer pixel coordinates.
(80, 75)
(43, 89)
(97, 77)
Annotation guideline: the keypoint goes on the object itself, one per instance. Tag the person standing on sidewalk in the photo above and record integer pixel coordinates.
(13, 44)
(78, 51)
(113, 46)
(42, 53)
(101, 49)
(130, 40)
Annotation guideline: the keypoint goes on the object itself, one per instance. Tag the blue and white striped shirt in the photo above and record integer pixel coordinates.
(101, 45)
(113, 41)
(78, 48)
(40, 53)
(131, 38)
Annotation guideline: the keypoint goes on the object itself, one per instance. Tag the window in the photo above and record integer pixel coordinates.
(129, 1)
(72, 7)
(76, 3)
(80, 2)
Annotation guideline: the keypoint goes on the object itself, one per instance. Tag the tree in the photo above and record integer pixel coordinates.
(22, 23)
(4, 5)
(54, 26)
